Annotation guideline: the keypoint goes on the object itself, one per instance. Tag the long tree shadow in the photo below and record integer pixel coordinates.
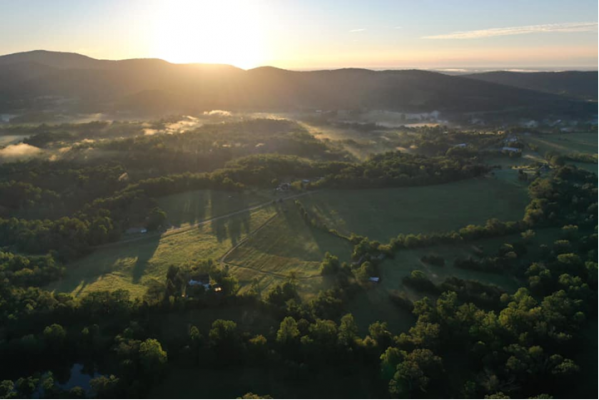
(230, 228)
(126, 259)
(188, 208)
(143, 258)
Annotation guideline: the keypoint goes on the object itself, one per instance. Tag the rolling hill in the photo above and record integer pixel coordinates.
(153, 85)
(577, 84)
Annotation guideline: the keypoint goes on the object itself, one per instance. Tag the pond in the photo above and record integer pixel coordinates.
(79, 376)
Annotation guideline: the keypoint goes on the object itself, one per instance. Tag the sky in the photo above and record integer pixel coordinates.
(313, 34)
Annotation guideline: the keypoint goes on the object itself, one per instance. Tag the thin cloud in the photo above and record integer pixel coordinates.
(397, 27)
(519, 30)
(358, 30)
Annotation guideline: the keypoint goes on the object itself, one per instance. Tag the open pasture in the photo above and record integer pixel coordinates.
(381, 214)
(188, 208)
(374, 304)
(285, 246)
(132, 265)
(565, 143)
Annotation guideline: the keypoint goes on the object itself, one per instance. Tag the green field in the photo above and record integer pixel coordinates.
(132, 265)
(374, 305)
(191, 207)
(586, 166)
(286, 244)
(566, 143)
(384, 213)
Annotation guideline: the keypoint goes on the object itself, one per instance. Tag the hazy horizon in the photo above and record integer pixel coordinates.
(314, 35)
(449, 70)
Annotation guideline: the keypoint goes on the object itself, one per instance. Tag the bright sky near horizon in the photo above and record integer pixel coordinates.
(305, 34)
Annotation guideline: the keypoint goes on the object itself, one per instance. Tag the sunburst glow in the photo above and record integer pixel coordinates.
(221, 31)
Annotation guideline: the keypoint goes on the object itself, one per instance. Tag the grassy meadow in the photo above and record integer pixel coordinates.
(569, 143)
(566, 143)
(188, 208)
(374, 304)
(587, 166)
(384, 213)
(285, 245)
(133, 264)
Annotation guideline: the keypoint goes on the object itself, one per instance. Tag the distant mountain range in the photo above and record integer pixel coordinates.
(577, 84)
(153, 85)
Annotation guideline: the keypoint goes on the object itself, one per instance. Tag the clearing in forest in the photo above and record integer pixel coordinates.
(188, 208)
(381, 214)
(565, 143)
(375, 305)
(133, 265)
(285, 247)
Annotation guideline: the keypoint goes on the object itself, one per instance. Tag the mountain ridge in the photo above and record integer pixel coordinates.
(576, 84)
(106, 83)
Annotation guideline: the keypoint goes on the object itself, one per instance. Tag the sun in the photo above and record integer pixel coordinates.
(210, 31)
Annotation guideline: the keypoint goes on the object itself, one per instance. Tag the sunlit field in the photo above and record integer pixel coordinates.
(132, 265)
(285, 248)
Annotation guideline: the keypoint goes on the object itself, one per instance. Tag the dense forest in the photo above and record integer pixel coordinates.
(468, 339)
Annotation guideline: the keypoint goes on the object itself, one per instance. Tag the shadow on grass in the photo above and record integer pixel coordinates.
(143, 258)
(128, 260)
(187, 208)
(199, 205)
(301, 234)
(230, 228)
